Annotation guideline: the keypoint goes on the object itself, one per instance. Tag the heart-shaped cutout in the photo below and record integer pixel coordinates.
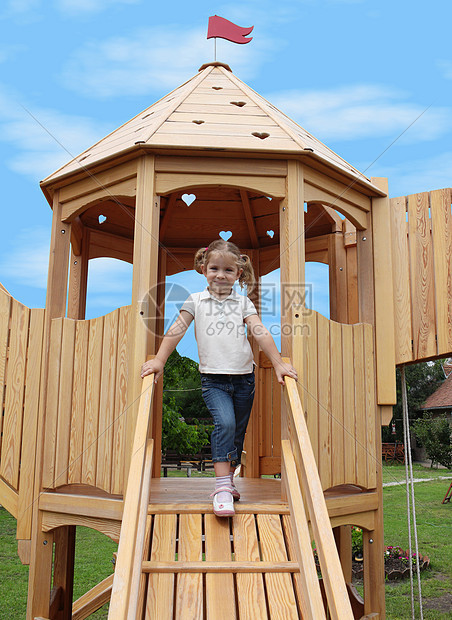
(226, 234)
(102, 219)
(262, 135)
(239, 104)
(188, 199)
(271, 233)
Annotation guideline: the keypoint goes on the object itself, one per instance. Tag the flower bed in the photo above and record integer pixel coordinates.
(397, 563)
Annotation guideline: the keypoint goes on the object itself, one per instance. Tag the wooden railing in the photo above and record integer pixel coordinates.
(301, 473)
(127, 580)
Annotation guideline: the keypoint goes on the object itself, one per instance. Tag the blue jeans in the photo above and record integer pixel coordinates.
(229, 399)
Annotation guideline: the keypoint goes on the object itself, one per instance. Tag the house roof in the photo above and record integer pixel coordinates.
(212, 110)
(442, 397)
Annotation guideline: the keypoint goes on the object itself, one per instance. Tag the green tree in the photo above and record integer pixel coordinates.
(182, 400)
(421, 381)
(435, 436)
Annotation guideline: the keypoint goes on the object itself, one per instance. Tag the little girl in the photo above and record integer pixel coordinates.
(225, 357)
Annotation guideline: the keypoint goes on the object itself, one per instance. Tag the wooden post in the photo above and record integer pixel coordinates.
(338, 277)
(374, 596)
(63, 572)
(40, 574)
(292, 263)
(157, 402)
(78, 279)
(252, 435)
(144, 285)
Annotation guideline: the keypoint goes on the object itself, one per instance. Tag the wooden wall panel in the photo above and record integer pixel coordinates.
(324, 381)
(64, 403)
(78, 402)
(92, 396)
(5, 311)
(107, 401)
(337, 405)
(422, 281)
(441, 216)
(401, 280)
(14, 397)
(349, 402)
(360, 406)
(51, 405)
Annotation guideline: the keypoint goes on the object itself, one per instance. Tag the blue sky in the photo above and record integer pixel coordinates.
(355, 73)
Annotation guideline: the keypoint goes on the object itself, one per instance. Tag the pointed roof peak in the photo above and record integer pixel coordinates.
(213, 110)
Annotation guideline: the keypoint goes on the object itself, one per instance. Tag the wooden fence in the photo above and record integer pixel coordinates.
(421, 231)
(21, 341)
(337, 389)
(86, 406)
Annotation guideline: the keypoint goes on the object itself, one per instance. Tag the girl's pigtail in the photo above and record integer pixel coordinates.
(200, 259)
(247, 276)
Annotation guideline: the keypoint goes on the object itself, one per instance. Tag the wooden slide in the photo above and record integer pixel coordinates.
(178, 560)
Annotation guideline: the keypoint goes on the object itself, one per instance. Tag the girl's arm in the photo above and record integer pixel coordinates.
(170, 341)
(268, 346)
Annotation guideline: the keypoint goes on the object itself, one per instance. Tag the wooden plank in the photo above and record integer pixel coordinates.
(337, 278)
(119, 426)
(160, 595)
(280, 591)
(250, 587)
(216, 165)
(9, 498)
(366, 291)
(107, 178)
(249, 219)
(337, 403)
(352, 285)
(189, 593)
(441, 220)
(401, 280)
(167, 182)
(5, 310)
(384, 298)
(348, 391)
(143, 577)
(242, 568)
(337, 191)
(31, 404)
(324, 398)
(92, 600)
(51, 420)
(311, 393)
(76, 206)
(220, 595)
(422, 277)
(14, 397)
(107, 401)
(92, 396)
(360, 407)
(373, 459)
(64, 403)
(80, 504)
(78, 402)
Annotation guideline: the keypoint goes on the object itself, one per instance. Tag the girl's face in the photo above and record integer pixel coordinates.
(221, 272)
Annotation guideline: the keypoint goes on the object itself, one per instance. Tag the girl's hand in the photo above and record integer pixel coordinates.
(282, 370)
(153, 366)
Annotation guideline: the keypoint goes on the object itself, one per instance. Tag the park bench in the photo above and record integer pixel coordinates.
(393, 452)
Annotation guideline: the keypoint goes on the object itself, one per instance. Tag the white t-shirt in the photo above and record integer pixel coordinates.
(221, 332)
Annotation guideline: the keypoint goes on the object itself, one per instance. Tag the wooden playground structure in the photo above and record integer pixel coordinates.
(81, 432)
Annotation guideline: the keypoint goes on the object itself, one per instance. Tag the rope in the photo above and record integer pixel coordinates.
(410, 487)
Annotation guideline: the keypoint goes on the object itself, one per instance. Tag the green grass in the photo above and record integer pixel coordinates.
(396, 473)
(94, 551)
(434, 521)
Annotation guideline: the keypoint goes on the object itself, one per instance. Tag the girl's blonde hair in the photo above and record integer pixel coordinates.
(242, 261)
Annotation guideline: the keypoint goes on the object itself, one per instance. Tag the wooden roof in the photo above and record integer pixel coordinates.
(212, 110)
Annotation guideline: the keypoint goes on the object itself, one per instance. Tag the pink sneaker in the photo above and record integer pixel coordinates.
(223, 509)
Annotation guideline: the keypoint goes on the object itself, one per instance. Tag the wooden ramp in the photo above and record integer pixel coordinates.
(196, 565)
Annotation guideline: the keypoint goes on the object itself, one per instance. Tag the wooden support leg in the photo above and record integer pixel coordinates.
(40, 575)
(373, 551)
(343, 538)
(63, 573)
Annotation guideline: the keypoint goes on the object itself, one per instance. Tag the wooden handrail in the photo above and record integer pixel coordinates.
(308, 477)
(124, 596)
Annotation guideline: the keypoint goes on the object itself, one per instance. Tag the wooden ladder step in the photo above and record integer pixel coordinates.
(220, 567)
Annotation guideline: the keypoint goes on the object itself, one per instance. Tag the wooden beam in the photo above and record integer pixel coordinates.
(171, 182)
(249, 218)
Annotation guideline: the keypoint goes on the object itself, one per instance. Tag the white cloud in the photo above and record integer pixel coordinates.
(362, 111)
(422, 175)
(41, 140)
(27, 260)
(148, 60)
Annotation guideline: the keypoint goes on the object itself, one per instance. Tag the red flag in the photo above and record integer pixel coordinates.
(224, 29)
